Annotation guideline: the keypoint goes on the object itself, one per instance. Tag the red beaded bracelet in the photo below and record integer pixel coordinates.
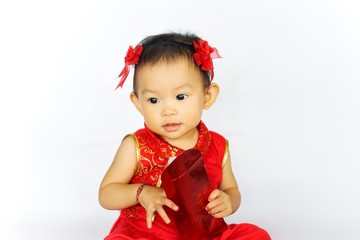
(139, 190)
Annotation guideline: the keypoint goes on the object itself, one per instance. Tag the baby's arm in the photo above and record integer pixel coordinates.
(226, 200)
(115, 184)
(116, 193)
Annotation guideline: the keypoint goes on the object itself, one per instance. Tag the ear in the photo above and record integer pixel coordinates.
(211, 94)
(134, 99)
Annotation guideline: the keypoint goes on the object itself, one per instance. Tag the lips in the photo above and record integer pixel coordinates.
(171, 127)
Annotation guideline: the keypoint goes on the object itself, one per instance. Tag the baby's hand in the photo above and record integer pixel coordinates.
(219, 204)
(153, 199)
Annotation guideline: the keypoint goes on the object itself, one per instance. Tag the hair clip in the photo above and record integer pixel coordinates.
(131, 58)
(204, 54)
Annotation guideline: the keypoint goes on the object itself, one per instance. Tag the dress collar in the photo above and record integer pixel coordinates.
(202, 144)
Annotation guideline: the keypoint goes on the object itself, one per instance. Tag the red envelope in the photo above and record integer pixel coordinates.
(186, 183)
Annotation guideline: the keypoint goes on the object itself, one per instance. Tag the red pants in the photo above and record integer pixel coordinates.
(131, 229)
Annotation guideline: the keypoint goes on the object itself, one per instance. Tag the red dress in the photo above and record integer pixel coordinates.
(153, 154)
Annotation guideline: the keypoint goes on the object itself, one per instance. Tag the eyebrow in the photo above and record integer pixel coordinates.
(183, 86)
(150, 91)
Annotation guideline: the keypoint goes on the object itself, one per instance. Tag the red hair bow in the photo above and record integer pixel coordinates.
(131, 58)
(204, 54)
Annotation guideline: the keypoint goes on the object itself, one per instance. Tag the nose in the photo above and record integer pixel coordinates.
(168, 110)
(167, 113)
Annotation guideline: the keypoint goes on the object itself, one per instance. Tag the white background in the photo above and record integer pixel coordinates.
(289, 105)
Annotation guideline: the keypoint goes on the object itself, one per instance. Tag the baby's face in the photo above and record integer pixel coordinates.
(171, 98)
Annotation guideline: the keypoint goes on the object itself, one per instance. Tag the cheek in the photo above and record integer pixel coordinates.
(194, 110)
(150, 114)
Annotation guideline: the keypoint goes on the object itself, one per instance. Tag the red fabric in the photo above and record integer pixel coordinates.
(130, 229)
(131, 58)
(154, 154)
(244, 231)
(204, 54)
(186, 183)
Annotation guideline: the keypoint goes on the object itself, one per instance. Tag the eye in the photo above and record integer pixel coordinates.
(181, 97)
(153, 100)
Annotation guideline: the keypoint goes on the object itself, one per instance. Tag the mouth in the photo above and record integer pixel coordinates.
(171, 127)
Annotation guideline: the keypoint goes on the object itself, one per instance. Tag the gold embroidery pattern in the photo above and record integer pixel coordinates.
(153, 156)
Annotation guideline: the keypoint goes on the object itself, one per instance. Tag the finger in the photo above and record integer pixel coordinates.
(216, 205)
(222, 210)
(220, 214)
(163, 215)
(214, 194)
(213, 203)
(224, 213)
(217, 209)
(149, 218)
(167, 202)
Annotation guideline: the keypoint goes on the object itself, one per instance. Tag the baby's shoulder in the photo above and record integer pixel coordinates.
(139, 137)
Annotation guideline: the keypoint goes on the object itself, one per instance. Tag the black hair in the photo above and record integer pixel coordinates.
(168, 47)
